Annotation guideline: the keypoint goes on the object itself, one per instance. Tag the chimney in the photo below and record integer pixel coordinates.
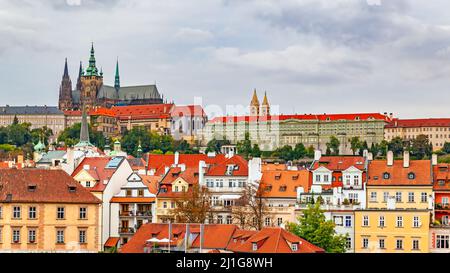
(434, 159)
(177, 158)
(317, 155)
(182, 167)
(166, 170)
(201, 165)
(390, 158)
(406, 159)
(365, 152)
(369, 156)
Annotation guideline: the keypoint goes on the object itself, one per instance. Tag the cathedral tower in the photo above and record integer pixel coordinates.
(91, 82)
(254, 105)
(265, 106)
(65, 90)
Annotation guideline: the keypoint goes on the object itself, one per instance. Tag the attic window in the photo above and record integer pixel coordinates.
(32, 188)
(268, 188)
(295, 177)
(278, 177)
(375, 178)
(386, 175)
(254, 246)
(440, 182)
(72, 188)
(357, 118)
(294, 247)
(283, 188)
(411, 176)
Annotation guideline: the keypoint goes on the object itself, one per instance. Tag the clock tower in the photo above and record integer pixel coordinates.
(91, 82)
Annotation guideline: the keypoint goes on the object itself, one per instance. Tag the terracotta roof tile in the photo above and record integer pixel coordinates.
(51, 186)
(283, 184)
(398, 175)
(408, 123)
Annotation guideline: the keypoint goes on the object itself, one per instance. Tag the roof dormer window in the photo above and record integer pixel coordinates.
(386, 175)
(32, 188)
(411, 176)
(254, 246)
(294, 247)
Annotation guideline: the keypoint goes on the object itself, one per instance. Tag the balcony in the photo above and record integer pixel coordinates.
(143, 213)
(126, 230)
(439, 206)
(331, 206)
(126, 213)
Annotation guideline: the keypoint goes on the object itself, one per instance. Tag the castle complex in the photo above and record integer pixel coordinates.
(91, 92)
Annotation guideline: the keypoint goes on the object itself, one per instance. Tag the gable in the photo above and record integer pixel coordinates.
(322, 169)
(352, 169)
(83, 175)
(134, 177)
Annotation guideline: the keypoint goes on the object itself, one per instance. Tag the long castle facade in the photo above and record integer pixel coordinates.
(91, 92)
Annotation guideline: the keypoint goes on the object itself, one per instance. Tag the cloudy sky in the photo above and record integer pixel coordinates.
(311, 56)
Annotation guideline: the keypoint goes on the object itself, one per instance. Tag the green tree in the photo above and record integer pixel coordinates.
(149, 141)
(310, 152)
(183, 147)
(214, 145)
(43, 133)
(286, 153)
(3, 135)
(300, 151)
(256, 152)
(355, 144)
(18, 134)
(333, 145)
(244, 147)
(396, 145)
(383, 148)
(314, 228)
(71, 136)
(15, 120)
(421, 147)
(446, 148)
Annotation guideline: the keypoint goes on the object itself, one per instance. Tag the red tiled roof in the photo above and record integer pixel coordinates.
(220, 169)
(398, 175)
(51, 186)
(151, 182)
(220, 237)
(188, 110)
(98, 171)
(441, 173)
(99, 111)
(159, 162)
(275, 240)
(288, 179)
(150, 111)
(408, 123)
(321, 117)
(190, 175)
(340, 163)
(112, 241)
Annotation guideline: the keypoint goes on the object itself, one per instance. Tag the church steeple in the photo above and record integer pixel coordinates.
(265, 107)
(80, 73)
(254, 105)
(84, 131)
(117, 78)
(92, 68)
(65, 90)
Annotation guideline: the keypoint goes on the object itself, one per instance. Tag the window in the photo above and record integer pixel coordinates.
(444, 201)
(32, 212)
(88, 184)
(16, 212)
(373, 196)
(229, 220)
(31, 236)
(381, 244)
(444, 220)
(220, 219)
(255, 246)
(411, 197)
(415, 244)
(16, 236)
(386, 175)
(140, 193)
(348, 221)
(398, 196)
(129, 193)
(172, 205)
(365, 242)
(385, 197)
(279, 221)
(411, 176)
(165, 205)
(317, 177)
(365, 221)
(294, 247)
(399, 221)
(423, 197)
(399, 244)
(381, 222)
(83, 213)
(267, 221)
(82, 236)
(338, 220)
(348, 243)
(442, 241)
(416, 222)
(60, 213)
(60, 236)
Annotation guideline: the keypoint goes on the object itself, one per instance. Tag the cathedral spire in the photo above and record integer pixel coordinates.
(265, 101)
(117, 78)
(84, 131)
(66, 70)
(80, 73)
(254, 104)
(92, 68)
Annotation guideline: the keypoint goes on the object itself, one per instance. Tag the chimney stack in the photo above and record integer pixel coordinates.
(390, 158)
(406, 159)
(434, 159)
(177, 158)
(317, 155)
